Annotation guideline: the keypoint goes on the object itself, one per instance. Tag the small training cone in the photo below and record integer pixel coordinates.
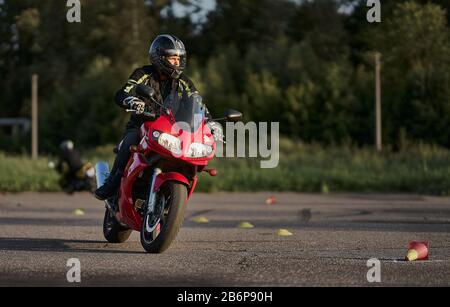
(245, 225)
(417, 251)
(271, 200)
(200, 219)
(283, 233)
(78, 212)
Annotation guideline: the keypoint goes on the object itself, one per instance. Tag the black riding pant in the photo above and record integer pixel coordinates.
(130, 137)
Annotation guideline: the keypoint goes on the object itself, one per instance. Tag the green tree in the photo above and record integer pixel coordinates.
(415, 45)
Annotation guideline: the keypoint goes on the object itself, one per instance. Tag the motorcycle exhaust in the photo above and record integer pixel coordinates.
(101, 172)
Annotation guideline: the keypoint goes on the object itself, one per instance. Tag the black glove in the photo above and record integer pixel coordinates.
(216, 130)
(135, 104)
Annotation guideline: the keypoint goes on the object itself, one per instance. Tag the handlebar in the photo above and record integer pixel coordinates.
(148, 114)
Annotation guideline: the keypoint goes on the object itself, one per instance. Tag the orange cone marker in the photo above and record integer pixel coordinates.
(417, 251)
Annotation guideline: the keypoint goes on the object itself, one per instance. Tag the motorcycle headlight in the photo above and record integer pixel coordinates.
(198, 150)
(170, 143)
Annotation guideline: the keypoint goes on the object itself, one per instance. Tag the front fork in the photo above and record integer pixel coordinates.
(151, 203)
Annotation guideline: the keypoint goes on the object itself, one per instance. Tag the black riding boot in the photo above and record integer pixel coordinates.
(112, 183)
(110, 187)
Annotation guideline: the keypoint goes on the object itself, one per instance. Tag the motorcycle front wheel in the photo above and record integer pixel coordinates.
(160, 229)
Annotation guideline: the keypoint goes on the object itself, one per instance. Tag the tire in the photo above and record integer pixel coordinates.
(158, 240)
(113, 231)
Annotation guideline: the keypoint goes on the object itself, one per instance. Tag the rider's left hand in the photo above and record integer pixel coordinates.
(216, 130)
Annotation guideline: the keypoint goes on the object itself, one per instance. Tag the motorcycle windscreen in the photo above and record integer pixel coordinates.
(188, 111)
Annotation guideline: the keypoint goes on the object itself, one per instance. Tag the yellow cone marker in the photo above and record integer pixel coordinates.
(245, 225)
(78, 212)
(200, 219)
(284, 233)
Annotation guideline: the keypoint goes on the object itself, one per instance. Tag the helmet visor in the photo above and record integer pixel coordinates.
(175, 52)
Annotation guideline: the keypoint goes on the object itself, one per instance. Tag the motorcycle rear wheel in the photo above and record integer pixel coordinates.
(112, 230)
(174, 196)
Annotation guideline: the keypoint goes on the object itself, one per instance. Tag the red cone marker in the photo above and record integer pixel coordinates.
(417, 251)
(271, 200)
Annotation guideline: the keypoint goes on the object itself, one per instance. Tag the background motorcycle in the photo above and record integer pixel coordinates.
(81, 180)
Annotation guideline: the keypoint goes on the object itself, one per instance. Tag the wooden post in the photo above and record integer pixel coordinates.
(378, 100)
(34, 116)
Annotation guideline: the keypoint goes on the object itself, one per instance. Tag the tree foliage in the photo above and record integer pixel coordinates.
(307, 64)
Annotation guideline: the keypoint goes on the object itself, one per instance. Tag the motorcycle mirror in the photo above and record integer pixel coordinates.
(145, 91)
(233, 115)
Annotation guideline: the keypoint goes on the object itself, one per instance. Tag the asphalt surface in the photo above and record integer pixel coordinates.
(333, 238)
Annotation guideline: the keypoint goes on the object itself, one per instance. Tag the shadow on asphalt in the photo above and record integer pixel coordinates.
(61, 245)
(50, 221)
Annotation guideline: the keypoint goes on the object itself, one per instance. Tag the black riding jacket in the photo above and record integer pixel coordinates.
(148, 75)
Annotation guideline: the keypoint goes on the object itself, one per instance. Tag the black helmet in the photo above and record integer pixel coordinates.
(168, 45)
(66, 145)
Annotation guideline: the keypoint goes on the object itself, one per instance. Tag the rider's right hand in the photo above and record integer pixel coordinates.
(137, 105)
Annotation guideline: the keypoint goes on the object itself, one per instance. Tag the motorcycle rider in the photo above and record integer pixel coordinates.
(69, 163)
(167, 56)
